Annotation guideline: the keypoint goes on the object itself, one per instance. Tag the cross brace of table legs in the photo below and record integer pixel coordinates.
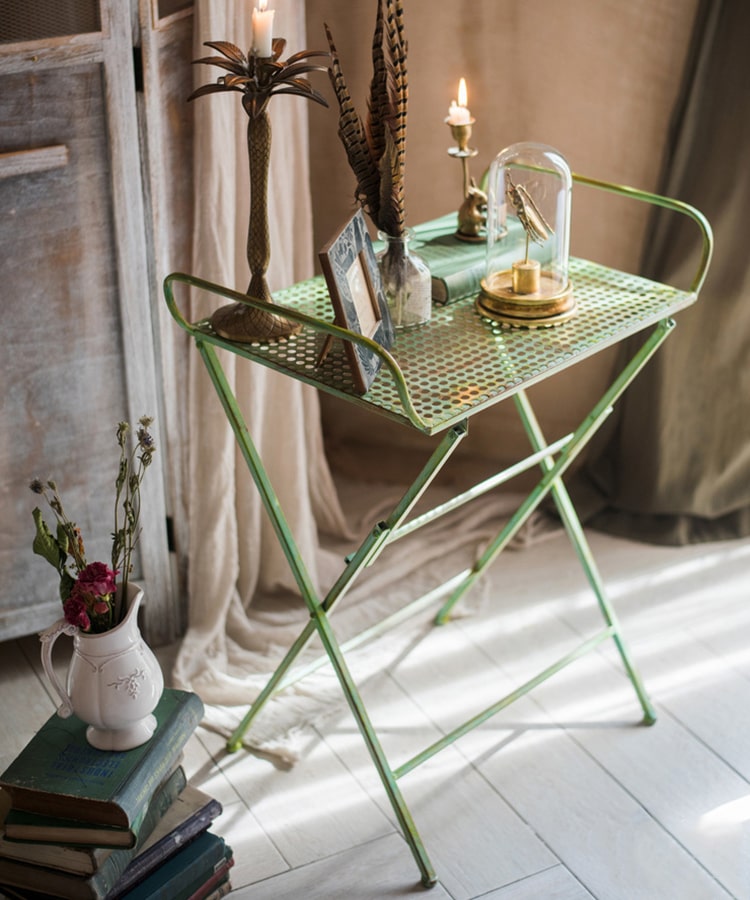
(553, 460)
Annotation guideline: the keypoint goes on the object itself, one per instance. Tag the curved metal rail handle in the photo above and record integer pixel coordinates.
(677, 206)
(320, 325)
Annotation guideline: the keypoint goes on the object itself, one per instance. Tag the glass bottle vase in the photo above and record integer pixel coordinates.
(407, 282)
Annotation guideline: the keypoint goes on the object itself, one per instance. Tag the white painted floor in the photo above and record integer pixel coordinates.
(562, 796)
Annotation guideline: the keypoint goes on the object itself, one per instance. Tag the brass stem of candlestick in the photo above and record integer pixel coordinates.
(461, 135)
(472, 214)
(237, 321)
(258, 237)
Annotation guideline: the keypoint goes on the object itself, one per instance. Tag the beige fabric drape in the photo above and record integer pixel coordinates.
(675, 467)
(233, 553)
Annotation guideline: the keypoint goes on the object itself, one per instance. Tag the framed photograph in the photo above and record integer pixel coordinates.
(353, 279)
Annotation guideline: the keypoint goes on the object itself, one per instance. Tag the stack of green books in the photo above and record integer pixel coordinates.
(88, 824)
(457, 266)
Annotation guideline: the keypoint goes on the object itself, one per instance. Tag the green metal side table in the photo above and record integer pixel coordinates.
(434, 380)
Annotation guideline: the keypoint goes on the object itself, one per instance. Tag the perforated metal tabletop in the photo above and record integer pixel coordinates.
(461, 362)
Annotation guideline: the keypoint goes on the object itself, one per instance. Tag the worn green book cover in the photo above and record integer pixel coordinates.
(77, 859)
(41, 839)
(36, 874)
(60, 774)
(457, 266)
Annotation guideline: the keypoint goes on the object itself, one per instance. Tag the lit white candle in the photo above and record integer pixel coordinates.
(262, 30)
(458, 114)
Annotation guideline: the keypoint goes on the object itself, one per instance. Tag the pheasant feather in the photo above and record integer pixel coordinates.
(376, 148)
(353, 137)
(377, 102)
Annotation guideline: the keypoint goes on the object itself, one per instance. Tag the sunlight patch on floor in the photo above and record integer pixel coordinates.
(727, 816)
(680, 570)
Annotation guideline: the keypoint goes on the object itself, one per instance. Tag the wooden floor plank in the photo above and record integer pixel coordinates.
(597, 830)
(677, 779)
(25, 703)
(312, 810)
(555, 883)
(378, 870)
(660, 768)
(465, 827)
(254, 853)
(581, 813)
(561, 797)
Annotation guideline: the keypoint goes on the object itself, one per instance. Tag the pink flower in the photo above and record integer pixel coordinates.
(97, 579)
(75, 612)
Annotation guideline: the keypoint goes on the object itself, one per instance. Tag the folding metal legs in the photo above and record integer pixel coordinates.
(578, 539)
(553, 460)
(319, 608)
(551, 483)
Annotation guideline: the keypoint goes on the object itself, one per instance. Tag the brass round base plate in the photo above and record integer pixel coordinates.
(518, 322)
(248, 325)
(547, 306)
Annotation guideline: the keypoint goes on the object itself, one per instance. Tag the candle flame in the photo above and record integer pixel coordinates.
(262, 5)
(462, 98)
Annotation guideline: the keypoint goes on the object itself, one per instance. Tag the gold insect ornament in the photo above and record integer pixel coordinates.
(529, 215)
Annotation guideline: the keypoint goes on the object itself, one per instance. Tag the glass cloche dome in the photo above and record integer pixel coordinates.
(528, 238)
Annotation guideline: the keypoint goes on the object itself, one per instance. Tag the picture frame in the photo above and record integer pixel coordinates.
(357, 296)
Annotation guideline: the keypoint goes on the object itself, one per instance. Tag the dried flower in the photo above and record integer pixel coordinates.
(89, 590)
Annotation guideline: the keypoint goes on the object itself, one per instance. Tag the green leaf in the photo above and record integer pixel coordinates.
(45, 544)
(62, 538)
(66, 584)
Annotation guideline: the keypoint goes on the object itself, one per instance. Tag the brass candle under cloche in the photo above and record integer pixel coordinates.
(528, 238)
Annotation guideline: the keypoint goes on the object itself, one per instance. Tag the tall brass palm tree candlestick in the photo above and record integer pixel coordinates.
(256, 78)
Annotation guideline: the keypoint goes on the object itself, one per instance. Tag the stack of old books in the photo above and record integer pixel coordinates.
(91, 824)
(457, 266)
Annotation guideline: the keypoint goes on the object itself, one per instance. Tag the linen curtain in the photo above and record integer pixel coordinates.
(676, 467)
(232, 551)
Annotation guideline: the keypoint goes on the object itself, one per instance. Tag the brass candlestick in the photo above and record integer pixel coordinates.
(472, 214)
(256, 78)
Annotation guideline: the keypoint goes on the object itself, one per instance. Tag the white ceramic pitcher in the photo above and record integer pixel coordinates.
(114, 680)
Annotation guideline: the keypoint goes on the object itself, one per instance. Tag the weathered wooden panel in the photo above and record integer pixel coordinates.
(61, 361)
(81, 271)
(28, 21)
(168, 124)
(27, 162)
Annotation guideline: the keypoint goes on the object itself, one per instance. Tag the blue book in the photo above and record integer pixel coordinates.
(185, 872)
(189, 816)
